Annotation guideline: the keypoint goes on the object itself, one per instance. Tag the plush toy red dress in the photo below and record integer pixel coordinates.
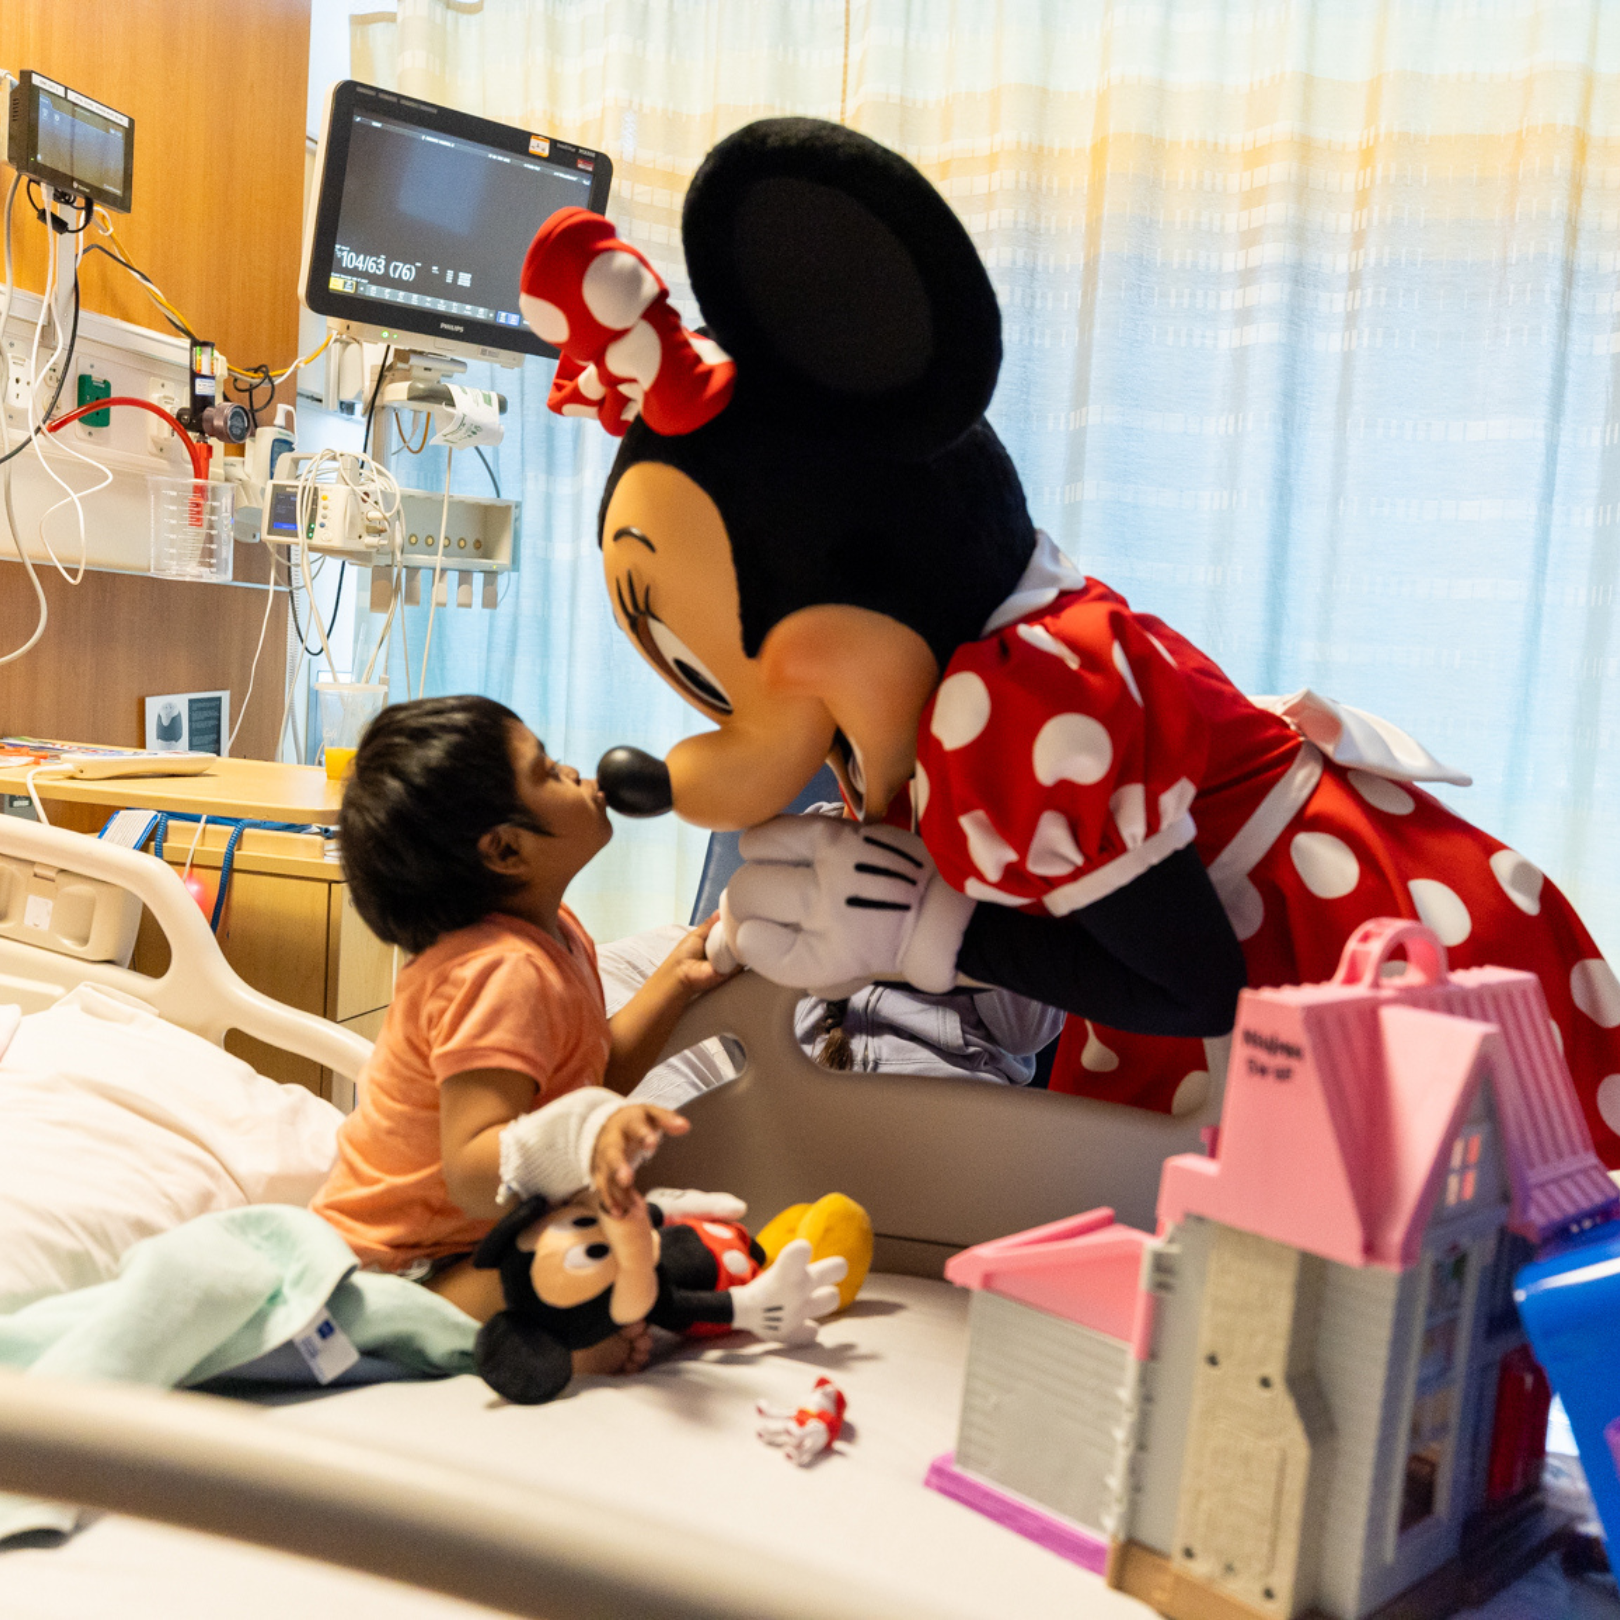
(812, 533)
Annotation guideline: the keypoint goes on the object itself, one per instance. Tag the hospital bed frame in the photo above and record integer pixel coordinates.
(939, 1163)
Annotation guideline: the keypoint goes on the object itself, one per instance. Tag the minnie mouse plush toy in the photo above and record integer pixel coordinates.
(814, 535)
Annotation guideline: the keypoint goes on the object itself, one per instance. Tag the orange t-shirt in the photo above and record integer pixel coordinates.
(502, 994)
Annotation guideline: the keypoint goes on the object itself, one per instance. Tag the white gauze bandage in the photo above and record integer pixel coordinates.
(547, 1153)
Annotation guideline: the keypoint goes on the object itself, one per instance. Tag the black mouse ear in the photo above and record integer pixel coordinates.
(839, 280)
(521, 1362)
(498, 1241)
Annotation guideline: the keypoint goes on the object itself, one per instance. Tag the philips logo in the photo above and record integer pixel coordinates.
(450, 326)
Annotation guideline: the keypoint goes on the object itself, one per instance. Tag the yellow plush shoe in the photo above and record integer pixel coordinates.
(832, 1225)
(775, 1235)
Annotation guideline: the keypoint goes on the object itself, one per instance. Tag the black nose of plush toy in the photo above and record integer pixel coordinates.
(634, 783)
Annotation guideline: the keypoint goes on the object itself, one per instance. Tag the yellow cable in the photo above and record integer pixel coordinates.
(281, 376)
(164, 304)
(123, 254)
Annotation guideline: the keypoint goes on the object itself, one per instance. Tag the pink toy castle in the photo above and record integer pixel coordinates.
(1309, 1392)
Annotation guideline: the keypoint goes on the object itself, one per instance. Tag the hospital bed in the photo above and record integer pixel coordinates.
(637, 1497)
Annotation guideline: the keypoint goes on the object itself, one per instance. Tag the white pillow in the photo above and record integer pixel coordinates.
(115, 1125)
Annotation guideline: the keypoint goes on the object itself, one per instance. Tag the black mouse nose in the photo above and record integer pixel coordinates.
(634, 783)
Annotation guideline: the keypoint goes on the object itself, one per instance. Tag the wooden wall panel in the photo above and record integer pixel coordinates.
(217, 91)
(118, 638)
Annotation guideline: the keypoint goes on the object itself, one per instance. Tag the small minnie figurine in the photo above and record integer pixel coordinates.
(813, 534)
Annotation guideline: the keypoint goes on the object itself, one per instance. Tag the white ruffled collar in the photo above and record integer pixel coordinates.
(1048, 575)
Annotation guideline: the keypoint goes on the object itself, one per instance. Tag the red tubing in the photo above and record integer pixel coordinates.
(197, 452)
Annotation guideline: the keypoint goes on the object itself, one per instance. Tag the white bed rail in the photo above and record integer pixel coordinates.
(200, 991)
(939, 1163)
(210, 1465)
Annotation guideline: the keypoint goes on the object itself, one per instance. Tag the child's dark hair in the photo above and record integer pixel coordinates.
(429, 779)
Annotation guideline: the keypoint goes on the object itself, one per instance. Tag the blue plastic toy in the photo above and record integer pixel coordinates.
(1569, 1300)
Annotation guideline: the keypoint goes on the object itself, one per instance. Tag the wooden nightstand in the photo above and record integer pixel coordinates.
(289, 927)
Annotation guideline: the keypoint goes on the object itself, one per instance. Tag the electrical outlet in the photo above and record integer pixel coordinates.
(18, 381)
(159, 435)
(22, 385)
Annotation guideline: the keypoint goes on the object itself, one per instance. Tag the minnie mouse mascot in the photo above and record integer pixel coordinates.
(814, 535)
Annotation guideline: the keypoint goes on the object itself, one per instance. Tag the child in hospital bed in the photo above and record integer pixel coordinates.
(497, 1074)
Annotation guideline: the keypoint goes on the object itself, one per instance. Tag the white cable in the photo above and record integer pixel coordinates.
(396, 597)
(315, 607)
(55, 768)
(379, 503)
(36, 434)
(405, 646)
(5, 448)
(438, 569)
(253, 669)
(196, 838)
(308, 493)
(288, 710)
(396, 591)
(59, 357)
(377, 496)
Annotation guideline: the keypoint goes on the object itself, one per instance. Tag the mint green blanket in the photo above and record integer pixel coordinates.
(214, 1295)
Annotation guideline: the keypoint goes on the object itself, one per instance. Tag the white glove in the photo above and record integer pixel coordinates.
(824, 906)
(719, 1206)
(783, 1301)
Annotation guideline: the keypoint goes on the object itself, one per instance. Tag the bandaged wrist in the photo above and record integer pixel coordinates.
(547, 1153)
(929, 958)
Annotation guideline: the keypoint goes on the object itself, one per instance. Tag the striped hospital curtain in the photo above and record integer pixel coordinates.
(1310, 312)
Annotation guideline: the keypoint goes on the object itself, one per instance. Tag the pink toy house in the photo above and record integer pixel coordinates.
(1309, 1392)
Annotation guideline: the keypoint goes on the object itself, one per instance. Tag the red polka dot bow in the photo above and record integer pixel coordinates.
(624, 350)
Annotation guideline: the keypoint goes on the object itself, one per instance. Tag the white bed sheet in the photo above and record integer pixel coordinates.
(676, 1444)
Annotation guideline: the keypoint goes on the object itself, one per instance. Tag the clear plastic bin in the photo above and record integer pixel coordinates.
(347, 708)
(191, 528)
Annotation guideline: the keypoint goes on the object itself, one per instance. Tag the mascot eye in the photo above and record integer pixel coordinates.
(667, 651)
(583, 1220)
(687, 668)
(585, 1256)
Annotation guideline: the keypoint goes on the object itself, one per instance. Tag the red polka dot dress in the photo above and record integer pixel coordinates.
(734, 1262)
(1073, 748)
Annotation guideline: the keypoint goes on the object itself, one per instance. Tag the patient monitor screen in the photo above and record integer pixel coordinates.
(64, 139)
(425, 216)
(80, 142)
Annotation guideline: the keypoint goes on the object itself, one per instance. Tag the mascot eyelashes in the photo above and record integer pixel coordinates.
(814, 535)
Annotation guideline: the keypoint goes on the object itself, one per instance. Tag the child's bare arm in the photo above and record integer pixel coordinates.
(474, 1108)
(644, 1023)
